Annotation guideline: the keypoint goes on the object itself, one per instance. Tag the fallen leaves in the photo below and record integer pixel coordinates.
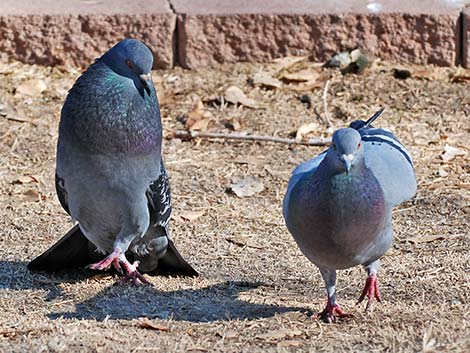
(143, 322)
(266, 80)
(32, 88)
(235, 95)
(191, 215)
(306, 129)
(198, 118)
(451, 152)
(32, 195)
(247, 187)
(243, 241)
(426, 239)
(25, 179)
(304, 75)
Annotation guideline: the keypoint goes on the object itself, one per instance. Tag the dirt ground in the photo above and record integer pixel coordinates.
(256, 291)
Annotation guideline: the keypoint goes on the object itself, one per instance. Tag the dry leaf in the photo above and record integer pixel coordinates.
(146, 323)
(32, 88)
(235, 95)
(451, 152)
(25, 179)
(265, 80)
(306, 86)
(242, 242)
(305, 130)
(228, 334)
(460, 78)
(247, 187)
(279, 334)
(426, 239)
(198, 118)
(300, 76)
(31, 195)
(191, 215)
(442, 172)
(287, 62)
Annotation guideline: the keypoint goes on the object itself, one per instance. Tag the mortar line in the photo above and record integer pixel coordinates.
(175, 39)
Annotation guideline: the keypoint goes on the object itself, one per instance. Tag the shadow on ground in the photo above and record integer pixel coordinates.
(212, 303)
(208, 304)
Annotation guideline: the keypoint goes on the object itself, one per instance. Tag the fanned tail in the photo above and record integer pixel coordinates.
(71, 251)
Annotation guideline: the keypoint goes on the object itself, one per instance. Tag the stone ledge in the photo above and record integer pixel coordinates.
(424, 32)
(201, 33)
(466, 37)
(70, 32)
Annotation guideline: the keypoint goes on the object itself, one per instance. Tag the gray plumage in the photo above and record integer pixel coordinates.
(110, 175)
(338, 205)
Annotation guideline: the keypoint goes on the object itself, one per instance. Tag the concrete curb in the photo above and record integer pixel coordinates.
(200, 33)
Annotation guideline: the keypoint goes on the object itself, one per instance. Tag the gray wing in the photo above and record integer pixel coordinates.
(391, 164)
(167, 261)
(61, 193)
(159, 197)
(301, 170)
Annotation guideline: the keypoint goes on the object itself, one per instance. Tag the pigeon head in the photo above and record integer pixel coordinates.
(346, 151)
(132, 59)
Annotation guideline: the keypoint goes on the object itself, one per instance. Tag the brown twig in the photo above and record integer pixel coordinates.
(218, 135)
(325, 103)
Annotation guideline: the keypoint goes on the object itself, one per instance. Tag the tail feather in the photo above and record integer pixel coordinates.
(173, 264)
(71, 251)
(74, 250)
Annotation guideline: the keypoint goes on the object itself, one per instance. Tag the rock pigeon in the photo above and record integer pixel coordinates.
(338, 205)
(110, 176)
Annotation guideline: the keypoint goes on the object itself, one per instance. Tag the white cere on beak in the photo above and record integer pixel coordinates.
(145, 77)
(347, 159)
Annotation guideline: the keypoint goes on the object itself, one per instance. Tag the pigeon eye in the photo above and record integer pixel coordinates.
(359, 145)
(334, 146)
(129, 64)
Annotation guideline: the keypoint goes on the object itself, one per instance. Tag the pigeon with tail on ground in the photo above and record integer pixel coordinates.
(110, 176)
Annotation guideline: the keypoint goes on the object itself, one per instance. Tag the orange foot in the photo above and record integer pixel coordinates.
(371, 290)
(133, 276)
(111, 259)
(331, 312)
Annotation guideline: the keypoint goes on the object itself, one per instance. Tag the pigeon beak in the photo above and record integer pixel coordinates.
(347, 160)
(146, 81)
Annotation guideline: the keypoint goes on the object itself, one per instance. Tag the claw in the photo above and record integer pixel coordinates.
(105, 264)
(331, 312)
(133, 276)
(371, 290)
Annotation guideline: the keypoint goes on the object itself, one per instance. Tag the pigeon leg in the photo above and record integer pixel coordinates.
(105, 264)
(371, 288)
(332, 309)
(133, 276)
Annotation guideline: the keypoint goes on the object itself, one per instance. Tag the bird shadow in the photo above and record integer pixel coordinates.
(14, 275)
(208, 304)
(228, 300)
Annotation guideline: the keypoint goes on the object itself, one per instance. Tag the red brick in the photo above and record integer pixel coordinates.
(70, 32)
(466, 37)
(217, 31)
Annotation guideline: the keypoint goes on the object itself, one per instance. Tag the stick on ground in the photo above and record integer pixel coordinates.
(217, 135)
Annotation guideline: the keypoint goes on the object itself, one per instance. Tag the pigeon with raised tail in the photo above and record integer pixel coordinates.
(110, 175)
(338, 205)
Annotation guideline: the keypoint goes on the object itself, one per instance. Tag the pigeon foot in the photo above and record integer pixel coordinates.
(133, 276)
(331, 312)
(371, 290)
(111, 259)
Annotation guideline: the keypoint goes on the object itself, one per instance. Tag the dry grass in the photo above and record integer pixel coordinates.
(256, 292)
